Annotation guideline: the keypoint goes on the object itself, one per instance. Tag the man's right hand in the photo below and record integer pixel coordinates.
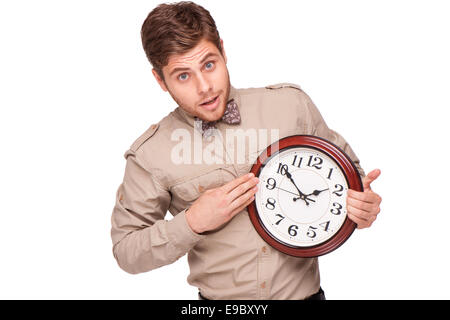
(217, 206)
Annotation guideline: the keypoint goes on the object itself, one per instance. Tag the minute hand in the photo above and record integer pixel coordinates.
(302, 195)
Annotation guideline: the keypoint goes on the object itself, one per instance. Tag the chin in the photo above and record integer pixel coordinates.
(209, 117)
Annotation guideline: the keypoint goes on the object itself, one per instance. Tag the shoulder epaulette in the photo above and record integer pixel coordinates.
(144, 137)
(284, 85)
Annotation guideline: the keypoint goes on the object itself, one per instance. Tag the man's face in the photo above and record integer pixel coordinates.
(195, 78)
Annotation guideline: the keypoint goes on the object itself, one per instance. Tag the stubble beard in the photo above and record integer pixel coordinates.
(222, 106)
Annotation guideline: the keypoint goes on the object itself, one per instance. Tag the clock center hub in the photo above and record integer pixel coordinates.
(310, 207)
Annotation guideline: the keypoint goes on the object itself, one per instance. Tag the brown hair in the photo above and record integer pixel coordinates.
(175, 29)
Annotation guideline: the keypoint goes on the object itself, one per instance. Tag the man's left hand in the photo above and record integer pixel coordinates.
(363, 207)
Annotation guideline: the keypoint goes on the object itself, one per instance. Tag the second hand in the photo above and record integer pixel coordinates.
(295, 194)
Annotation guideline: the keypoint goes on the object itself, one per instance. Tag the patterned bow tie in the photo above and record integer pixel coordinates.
(230, 116)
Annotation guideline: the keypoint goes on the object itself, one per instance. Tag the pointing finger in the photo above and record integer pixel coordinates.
(235, 182)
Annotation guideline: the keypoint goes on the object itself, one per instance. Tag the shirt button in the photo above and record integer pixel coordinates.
(263, 285)
(264, 249)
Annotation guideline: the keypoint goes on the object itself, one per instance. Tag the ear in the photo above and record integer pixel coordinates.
(161, 82)
(223, 51)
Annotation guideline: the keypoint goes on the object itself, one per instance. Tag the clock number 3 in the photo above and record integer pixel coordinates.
(336, 211)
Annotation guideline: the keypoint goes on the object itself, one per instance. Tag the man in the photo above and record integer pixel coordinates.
(208, 195)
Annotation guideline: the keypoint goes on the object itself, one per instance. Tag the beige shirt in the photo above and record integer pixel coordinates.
(232, 262)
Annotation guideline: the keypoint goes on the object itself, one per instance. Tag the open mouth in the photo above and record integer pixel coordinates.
(209, 102)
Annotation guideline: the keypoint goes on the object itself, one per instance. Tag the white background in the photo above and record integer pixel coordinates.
(77, 90)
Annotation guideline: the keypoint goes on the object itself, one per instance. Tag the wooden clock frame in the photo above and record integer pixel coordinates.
(351, 175)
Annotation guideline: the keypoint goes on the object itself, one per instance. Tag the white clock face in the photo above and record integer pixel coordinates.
(301, 197)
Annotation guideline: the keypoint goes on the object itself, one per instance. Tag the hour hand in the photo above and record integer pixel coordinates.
(301, 194)
(317, 192)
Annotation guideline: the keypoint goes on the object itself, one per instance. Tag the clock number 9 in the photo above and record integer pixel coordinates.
(271, 183)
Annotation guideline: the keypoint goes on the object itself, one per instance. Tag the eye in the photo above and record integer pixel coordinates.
(183, 77)
(209, 65)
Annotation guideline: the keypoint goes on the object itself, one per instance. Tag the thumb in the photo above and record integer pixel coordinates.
(369, 178)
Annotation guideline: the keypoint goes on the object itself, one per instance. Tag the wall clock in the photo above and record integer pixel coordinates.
(300, 205)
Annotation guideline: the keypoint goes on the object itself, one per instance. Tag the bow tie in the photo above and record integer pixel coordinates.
(230, 116)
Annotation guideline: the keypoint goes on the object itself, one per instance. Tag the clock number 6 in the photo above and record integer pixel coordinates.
(293, 230)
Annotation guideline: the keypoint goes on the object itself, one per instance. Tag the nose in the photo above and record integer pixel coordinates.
(203, 85)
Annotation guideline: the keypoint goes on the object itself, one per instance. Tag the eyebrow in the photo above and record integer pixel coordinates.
(209, 55)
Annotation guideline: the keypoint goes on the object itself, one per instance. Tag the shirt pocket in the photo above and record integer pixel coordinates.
(192, 188)
(242, 168)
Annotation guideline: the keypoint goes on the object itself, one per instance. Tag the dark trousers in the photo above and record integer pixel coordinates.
(319, 295)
